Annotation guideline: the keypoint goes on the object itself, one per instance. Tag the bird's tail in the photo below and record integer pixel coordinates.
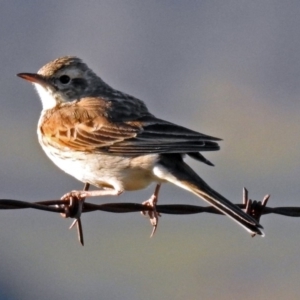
(183, 176)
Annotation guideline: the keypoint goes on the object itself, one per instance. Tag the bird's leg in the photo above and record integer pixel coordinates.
(96, 193)
(76, 198)
(152, 214)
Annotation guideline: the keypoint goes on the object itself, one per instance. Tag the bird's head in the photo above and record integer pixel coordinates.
(64, 79)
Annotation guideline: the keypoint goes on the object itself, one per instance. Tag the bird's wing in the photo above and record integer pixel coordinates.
(121, 128)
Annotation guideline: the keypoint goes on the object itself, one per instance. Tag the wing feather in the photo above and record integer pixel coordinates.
(92, 125)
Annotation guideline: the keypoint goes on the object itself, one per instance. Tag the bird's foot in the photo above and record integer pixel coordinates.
(74, 208)
(152, 213)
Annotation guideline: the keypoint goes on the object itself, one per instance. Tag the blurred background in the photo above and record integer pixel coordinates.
(230, 69)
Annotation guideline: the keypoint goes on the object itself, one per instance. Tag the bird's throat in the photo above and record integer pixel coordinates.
(48, 98)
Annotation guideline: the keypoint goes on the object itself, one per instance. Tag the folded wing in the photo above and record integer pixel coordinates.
(88, 126)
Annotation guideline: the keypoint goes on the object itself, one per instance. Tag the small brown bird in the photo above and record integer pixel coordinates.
(109, 139)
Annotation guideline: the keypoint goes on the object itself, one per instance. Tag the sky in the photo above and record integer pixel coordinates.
(229, 69)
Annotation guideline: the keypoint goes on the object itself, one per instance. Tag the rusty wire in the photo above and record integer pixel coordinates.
(70, 208)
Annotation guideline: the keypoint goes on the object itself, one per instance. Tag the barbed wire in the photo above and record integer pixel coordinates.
(74, 207)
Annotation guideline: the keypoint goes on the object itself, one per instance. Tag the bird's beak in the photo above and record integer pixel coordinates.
(34, 78)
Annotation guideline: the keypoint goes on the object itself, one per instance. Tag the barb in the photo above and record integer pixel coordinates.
(70, 208)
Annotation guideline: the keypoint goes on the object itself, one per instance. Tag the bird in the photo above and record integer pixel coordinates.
(109, 139)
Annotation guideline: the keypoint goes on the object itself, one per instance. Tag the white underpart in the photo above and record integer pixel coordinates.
(46, 95)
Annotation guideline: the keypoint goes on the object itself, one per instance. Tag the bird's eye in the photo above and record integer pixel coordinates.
(64, 79)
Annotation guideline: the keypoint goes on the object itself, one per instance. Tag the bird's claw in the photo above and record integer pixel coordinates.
(152, 213)
(74, 208)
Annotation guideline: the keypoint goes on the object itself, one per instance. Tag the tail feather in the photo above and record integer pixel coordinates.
(231, 210)
(180, 174)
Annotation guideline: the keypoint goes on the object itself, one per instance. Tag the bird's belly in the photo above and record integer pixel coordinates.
(106, 170)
